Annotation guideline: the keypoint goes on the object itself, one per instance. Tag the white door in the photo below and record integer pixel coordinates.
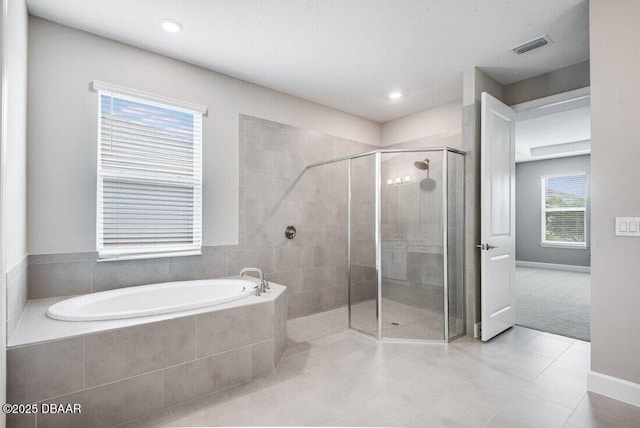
(497, 217)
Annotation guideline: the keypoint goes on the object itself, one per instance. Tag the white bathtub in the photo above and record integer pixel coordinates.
(153, 299)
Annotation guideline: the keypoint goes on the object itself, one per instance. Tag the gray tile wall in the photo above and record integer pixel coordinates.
(275, 191)
(364, 284)
(17, 285)
(412, 234)
(53, 275)
(411, 224)
(471, 144)
(124, 374)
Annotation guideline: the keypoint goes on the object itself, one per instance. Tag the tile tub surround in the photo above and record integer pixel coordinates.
(17, 283)
(128, 371)
(335, 377)
(273, 194)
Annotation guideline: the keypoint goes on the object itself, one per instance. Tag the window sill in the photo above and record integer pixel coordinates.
(564, 245)
(117, 258)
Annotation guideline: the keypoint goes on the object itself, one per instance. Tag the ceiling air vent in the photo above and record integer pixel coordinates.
(531, 45)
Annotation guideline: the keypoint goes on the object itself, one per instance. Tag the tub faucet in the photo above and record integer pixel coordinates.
(264, 285)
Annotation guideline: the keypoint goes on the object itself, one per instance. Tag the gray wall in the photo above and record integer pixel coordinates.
(15, 163)
(62, 119)
(442, 119)
(62, 170)
(528, 212)
(615, 150)
(275, 191)
(565, 79)
(14, 166)
(412, 260)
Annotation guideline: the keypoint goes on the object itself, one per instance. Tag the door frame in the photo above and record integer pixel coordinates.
(532, 106)
(551, 101)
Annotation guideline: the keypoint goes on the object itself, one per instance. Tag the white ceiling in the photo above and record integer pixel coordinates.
(557, 134)
(346, 54)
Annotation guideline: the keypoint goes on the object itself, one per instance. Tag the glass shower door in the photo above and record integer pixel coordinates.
(363, 283)
(412, 243)
(455, 238)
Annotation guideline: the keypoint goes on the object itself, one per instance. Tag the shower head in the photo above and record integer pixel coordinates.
(423, 165)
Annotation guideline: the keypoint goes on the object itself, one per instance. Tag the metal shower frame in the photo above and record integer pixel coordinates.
(378, 236)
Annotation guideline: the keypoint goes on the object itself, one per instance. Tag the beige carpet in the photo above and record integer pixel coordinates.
(554, 301)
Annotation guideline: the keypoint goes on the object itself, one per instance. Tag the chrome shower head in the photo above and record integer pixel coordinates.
(423, 165)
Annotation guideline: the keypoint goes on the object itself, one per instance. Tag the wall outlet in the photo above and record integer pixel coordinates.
(628, 226)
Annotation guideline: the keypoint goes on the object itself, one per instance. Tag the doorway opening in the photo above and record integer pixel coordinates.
(553, 236)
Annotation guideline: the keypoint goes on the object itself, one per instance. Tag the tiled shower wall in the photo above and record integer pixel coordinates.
(412, 230)
(275, 191)
(412, 261)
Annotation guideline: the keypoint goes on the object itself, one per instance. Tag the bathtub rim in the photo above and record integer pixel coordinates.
(35, 327)
(150, 312)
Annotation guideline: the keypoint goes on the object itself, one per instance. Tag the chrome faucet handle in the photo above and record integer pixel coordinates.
(257, 288)
(266, 284)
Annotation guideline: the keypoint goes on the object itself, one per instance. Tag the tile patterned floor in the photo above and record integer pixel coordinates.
(412, 322)
(398, 321)
(305, 329)
(334, 377)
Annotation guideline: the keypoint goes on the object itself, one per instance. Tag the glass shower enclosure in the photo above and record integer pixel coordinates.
(405, 243)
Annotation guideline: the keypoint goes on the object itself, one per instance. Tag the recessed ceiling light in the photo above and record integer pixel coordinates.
(395, 95)
(171, 25)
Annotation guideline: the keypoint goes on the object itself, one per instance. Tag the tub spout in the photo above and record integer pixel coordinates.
(264, 285)
(257, 270)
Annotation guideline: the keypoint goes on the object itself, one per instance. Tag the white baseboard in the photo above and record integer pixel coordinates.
(476, 330)
(614, 387)
(571, 268)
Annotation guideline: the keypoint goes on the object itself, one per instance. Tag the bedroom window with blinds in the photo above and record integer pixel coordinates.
(564, 201)
(149, 199)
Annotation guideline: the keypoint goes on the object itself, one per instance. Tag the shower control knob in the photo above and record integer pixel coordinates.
(290, 232)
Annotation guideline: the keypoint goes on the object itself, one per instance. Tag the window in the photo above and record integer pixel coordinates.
(149, 199)
(564, 210)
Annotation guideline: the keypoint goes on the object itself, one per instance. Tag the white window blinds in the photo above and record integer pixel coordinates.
(564, 201)
(149, 200)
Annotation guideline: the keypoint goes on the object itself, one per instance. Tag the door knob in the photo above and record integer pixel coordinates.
(486, 246)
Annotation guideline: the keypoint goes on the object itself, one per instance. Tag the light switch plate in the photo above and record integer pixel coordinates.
(628, 226)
